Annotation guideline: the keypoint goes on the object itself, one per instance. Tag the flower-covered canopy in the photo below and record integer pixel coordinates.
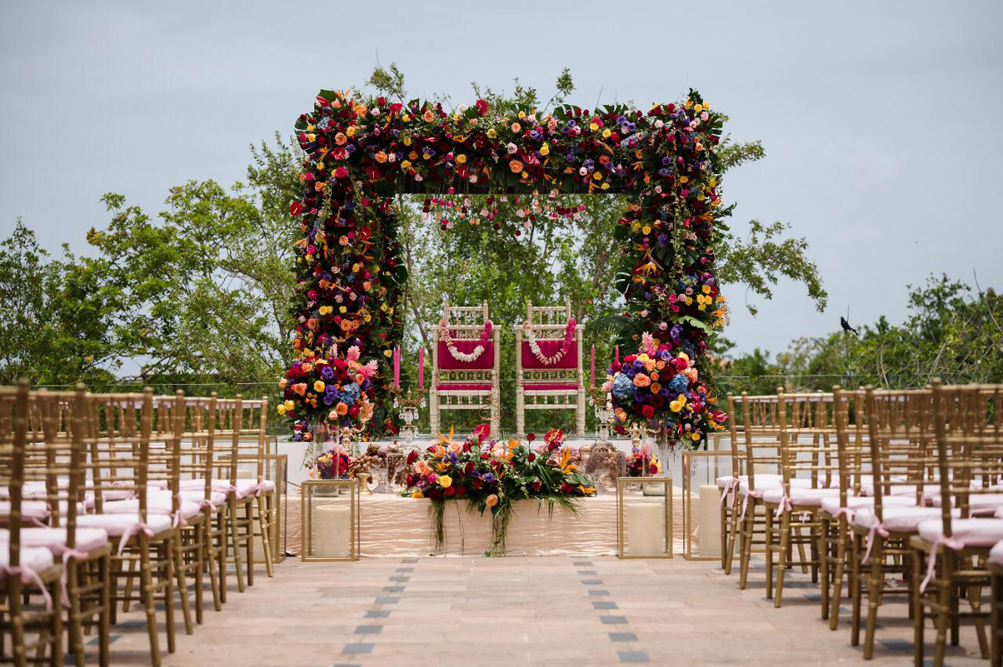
(359, 153)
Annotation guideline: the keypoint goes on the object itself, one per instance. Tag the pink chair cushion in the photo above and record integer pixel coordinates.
(980, 504)
(765, 482)
(464, 386)
(116, 525)
(549, 348)
(38, 559)
(970, 532)
(215, 497)
(854, 503)
(155, 504)
(897, 519)
(54, 539)
(250, 487)
(996, 554)
(217, 485)
(799, 496)
(484, 362)
(549, 386)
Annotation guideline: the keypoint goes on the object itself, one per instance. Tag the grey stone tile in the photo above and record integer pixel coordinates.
(592, 582)
(387, 600)
(622, 637)
(598, 593)
(368, 629)
(393, 589)
(404, 569)
(586, 573)
(633, 656)
(604, 604)
(405, 579)
(358, 647)
(376, 613)
(613, 620)
(896, 644)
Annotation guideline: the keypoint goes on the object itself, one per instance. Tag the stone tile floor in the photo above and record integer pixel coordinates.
(514, 611)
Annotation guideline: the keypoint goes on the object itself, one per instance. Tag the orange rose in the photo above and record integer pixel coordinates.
(516, 166)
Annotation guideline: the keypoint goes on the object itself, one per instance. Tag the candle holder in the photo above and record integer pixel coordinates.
(602, 405)
(408, 407)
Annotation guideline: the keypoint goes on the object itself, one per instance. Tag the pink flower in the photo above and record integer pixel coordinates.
(353, 353)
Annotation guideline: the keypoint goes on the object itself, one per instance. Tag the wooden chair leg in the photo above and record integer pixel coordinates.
(824, 551)
(210, 556)
(856, 591)
(235, 542)
(104, 632)
(733, 534)
(166, 572)
(746, 552)
(769, 553)
(918, 620)
(837, 579)
(975, 600)
(199, 544)
(785, 538)
(146, 589)
(874, 584)
(75, 631)
(179, 574)
(944, 611)
(223, 530)
(248, 538)
(264, 525)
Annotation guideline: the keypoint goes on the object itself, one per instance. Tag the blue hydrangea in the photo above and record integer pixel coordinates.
(623, 387)
(679, 384)
(350, 394)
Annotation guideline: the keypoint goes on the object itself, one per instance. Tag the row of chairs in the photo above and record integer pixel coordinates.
(886, 492)
(112, 499)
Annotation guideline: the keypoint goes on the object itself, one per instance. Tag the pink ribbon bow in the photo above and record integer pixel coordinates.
(29, 576)
(950, 543)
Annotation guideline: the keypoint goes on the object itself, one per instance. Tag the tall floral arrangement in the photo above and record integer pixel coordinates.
(361, 152)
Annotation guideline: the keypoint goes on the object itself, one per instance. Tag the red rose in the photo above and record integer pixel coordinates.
(450, 492)
(412, 456)
(460, 492)
(648, 411)
(536, 484)
(657, 401)
(566, 488)
(530, 457)
(482, 107)
(530, 437)
(469, 468)
(296, 207)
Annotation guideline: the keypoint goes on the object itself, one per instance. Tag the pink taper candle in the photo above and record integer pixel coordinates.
(617, 357)
(421, 368)
(397, 367)
(592, 370)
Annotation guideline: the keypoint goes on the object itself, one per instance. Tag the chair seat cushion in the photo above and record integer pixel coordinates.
(54, 539)
(980, 504)
(117, 525)
(854, 503)
(800, 496)
(996, 554)
(216, 498)
(251, 487)
(969, 532)
(38, 559)
(38, 510)
(549, 386)
(216, 484)
(155, 504)
(464, 386)
(766, 482)
(897, 519)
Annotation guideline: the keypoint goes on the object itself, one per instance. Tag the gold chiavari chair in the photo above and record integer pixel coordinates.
(85, 553)
(196, 467)
(899, 436)
(728, 487)
(956, 546)
(250, 500)
(23, 570)
(807, 463)
(119, 433)
(761, 436)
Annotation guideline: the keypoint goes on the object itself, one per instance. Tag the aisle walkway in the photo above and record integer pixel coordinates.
(514, 611)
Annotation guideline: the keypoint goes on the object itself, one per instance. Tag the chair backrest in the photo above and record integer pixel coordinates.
(13, 437)
(900, 436)
(852, 442)
(549, 345)
(242, 424)
(969, 445)
(807, 438)
(760, 434)
(459, 352)
(119, 430)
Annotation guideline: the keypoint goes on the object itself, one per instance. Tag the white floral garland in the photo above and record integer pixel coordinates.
(465, 357)
(534, 346)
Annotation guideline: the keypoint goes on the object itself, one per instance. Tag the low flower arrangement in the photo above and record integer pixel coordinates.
(322, 394)
(661, 387)
(641, 458)
(332, 464)
(491, 475)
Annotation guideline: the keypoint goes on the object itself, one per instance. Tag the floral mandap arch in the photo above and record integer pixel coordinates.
(360, 153)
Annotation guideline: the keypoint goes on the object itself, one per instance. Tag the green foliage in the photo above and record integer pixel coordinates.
(953, 332)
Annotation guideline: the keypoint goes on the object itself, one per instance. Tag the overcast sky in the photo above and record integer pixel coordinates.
(882, 121)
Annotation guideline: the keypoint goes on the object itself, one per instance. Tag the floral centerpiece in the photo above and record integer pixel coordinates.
(491, 475)
(660, 387)
(335, 463)
(642, 458)
(325, 394)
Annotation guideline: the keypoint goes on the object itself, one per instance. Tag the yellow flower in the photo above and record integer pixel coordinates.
(281, 409)
(676, 407)
(417, 494)
(461, 158)
(545, 150)
(406, 118)
(491, 133)
(318, 386)
(350, 131)
(705, 289)
(445, 481)
(406, 164)
(646, 229)
(522, 114)
(593, 127)
(606, 133)
(387, 353)
(290, 405)
(407, 141)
